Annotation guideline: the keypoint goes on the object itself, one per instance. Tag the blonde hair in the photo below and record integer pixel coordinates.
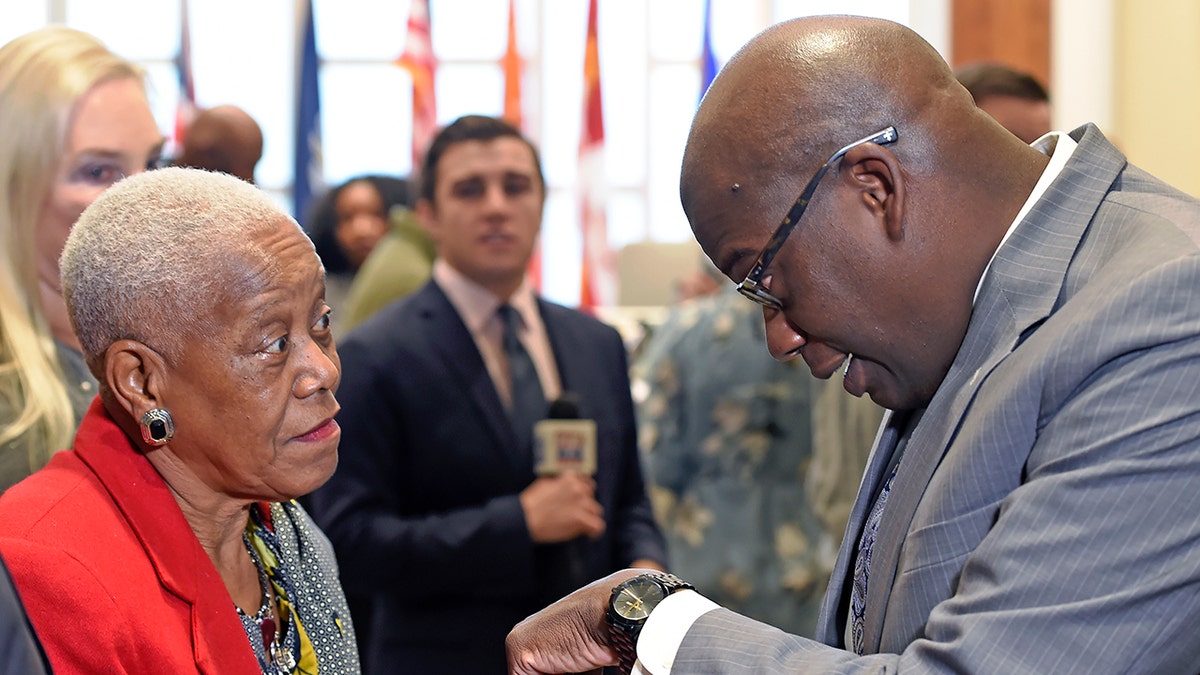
(42, 76)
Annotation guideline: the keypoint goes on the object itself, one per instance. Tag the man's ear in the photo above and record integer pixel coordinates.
(136, 376)
(875, 173)
(427, 219)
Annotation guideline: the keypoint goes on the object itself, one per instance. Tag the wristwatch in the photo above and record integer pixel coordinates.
(630, 605)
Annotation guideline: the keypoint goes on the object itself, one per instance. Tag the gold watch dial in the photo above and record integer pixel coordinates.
(637, 598)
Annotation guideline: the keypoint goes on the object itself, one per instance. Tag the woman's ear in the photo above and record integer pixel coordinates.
(136, 377)
(875, 173)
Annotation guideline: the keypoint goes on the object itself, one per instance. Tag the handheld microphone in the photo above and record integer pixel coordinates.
(563, 442)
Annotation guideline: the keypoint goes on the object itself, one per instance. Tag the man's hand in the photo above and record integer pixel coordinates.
(561, 508)
(570, 636)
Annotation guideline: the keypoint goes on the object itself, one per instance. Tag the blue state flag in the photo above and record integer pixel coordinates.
(708, 62)
(308, 175)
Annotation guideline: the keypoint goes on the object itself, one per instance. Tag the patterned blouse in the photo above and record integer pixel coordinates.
(289, 576)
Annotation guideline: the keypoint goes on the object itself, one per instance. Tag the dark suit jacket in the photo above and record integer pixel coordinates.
(1043, 516)
(20, 651)
(423, 510)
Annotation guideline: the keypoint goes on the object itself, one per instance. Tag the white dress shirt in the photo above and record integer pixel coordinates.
(477, 306)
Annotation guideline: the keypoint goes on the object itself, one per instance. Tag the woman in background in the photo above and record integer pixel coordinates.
(347, 223)
(76, 120)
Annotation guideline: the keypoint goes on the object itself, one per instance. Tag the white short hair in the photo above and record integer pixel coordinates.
(143, 262)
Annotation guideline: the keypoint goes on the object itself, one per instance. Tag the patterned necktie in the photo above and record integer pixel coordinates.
(528, 403)
(862, 563)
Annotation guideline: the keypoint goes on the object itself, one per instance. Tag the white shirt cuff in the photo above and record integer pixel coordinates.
(665, 629)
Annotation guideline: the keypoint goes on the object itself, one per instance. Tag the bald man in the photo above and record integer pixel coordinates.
(1030, 316)
(225, 138)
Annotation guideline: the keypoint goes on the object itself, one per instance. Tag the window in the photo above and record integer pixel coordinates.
(649, 53)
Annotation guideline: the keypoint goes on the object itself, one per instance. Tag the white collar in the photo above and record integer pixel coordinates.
(1059, 146)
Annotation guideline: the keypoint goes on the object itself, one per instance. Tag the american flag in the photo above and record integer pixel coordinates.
(418, 59)
(185, 110)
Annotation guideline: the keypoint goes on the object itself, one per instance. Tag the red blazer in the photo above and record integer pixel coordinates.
(111, 574)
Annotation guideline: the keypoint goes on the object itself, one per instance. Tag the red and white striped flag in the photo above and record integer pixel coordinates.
(598, 287)
(421, 64)
(185, 109)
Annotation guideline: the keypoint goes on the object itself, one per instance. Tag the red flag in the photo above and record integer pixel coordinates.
(512, 64)
(185, 110)
(512, 71)
(419, 61)
(598, 287)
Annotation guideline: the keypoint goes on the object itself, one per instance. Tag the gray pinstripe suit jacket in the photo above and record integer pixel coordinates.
(1045, 515)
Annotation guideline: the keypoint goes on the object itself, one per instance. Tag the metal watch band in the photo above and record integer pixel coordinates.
(624, 638)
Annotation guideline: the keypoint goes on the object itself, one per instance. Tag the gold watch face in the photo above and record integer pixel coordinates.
(637, 598)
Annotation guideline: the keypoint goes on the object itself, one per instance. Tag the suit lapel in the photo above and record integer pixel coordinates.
(451, 341)
(1019, 292)
(926, 446)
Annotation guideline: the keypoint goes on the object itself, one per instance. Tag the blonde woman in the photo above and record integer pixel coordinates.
(76, 120)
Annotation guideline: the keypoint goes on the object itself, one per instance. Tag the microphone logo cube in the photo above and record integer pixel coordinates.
(564, 445)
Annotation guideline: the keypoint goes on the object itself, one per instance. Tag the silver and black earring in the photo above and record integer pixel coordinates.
(157, 427)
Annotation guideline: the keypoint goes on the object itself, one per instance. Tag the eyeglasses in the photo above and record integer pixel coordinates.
(751, 286)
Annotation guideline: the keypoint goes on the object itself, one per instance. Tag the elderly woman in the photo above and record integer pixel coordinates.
(75, 121)
(167, 540)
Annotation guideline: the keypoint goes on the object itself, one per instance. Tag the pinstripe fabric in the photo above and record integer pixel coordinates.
(1045, 518)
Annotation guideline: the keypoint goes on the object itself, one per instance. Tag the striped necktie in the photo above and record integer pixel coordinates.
(528, 404)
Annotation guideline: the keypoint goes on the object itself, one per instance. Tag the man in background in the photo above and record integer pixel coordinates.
(1012, 97)
(226, 139)
(435, 510)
